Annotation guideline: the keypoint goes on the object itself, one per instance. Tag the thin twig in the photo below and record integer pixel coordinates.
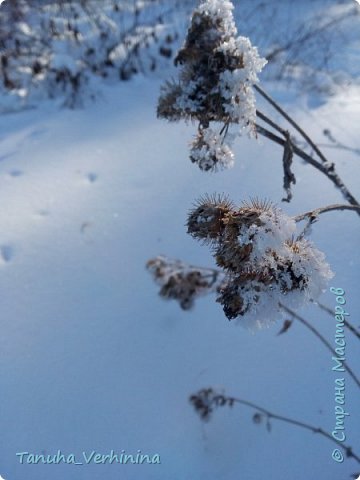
(207, 399)
(322, 339)
(347, 324)
(313, 214)
(292, 122)
(327, 170)
(299, 152)
(270, 122)
(337, 146)
(270, 415)
(304, 37)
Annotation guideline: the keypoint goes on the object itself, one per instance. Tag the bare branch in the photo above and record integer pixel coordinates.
(347, 324)
(206, 400)
(292, 122)
(313, 214)
(328, 170)
(322, 340)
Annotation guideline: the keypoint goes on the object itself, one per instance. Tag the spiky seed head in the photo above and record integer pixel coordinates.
(205, 221)
(167, 108)
(249, 212)
(232, 257)
(232, 302)
(182, 282)
(258, 204)
(184, 287)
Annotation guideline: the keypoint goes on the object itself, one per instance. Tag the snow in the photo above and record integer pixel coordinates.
(209, 151)
(62, 61)
(93, 359)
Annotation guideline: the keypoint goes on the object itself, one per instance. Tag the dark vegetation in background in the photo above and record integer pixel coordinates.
(57, 48)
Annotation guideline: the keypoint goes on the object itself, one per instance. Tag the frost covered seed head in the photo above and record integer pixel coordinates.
(170, 91)
(205, 221)
(182, 282)
(217, 71)
(243, 292)
(209, 151)
(205, 401)
(239, 235)
(307, 270)
(264, 265)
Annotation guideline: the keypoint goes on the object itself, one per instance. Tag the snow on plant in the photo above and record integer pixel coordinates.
(256, 294)
(218, 69)
(208, 150)
(265, 265)
(182, 282)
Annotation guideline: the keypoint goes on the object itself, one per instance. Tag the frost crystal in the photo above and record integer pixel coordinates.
(218, 70)
(209, 151)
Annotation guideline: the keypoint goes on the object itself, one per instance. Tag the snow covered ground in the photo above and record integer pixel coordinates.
(93, 360)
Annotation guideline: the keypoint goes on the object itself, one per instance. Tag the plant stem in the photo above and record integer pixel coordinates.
(347, 324)
(322, 339)
(270, 122)
(327, 169)
(292, 122)
(347, 449)
(313, 214)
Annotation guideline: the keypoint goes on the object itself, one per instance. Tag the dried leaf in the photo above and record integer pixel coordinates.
(257, 418)
(289, 177)
(268, 426)
(287, 324)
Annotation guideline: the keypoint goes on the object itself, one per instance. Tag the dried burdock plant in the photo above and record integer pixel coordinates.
(267, 267)
(264, 264)
(218, 69)
(182, 282)
(207, 400)
(206, 220)
(215, 87)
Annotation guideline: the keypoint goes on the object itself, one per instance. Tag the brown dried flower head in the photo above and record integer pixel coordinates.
(180, 281)
(231, 256)
(203, 61)
(206, 400)
(241, 292)
(217, 71)
(218, 222)
(170, 92)
(206, 220)
(263, 262)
